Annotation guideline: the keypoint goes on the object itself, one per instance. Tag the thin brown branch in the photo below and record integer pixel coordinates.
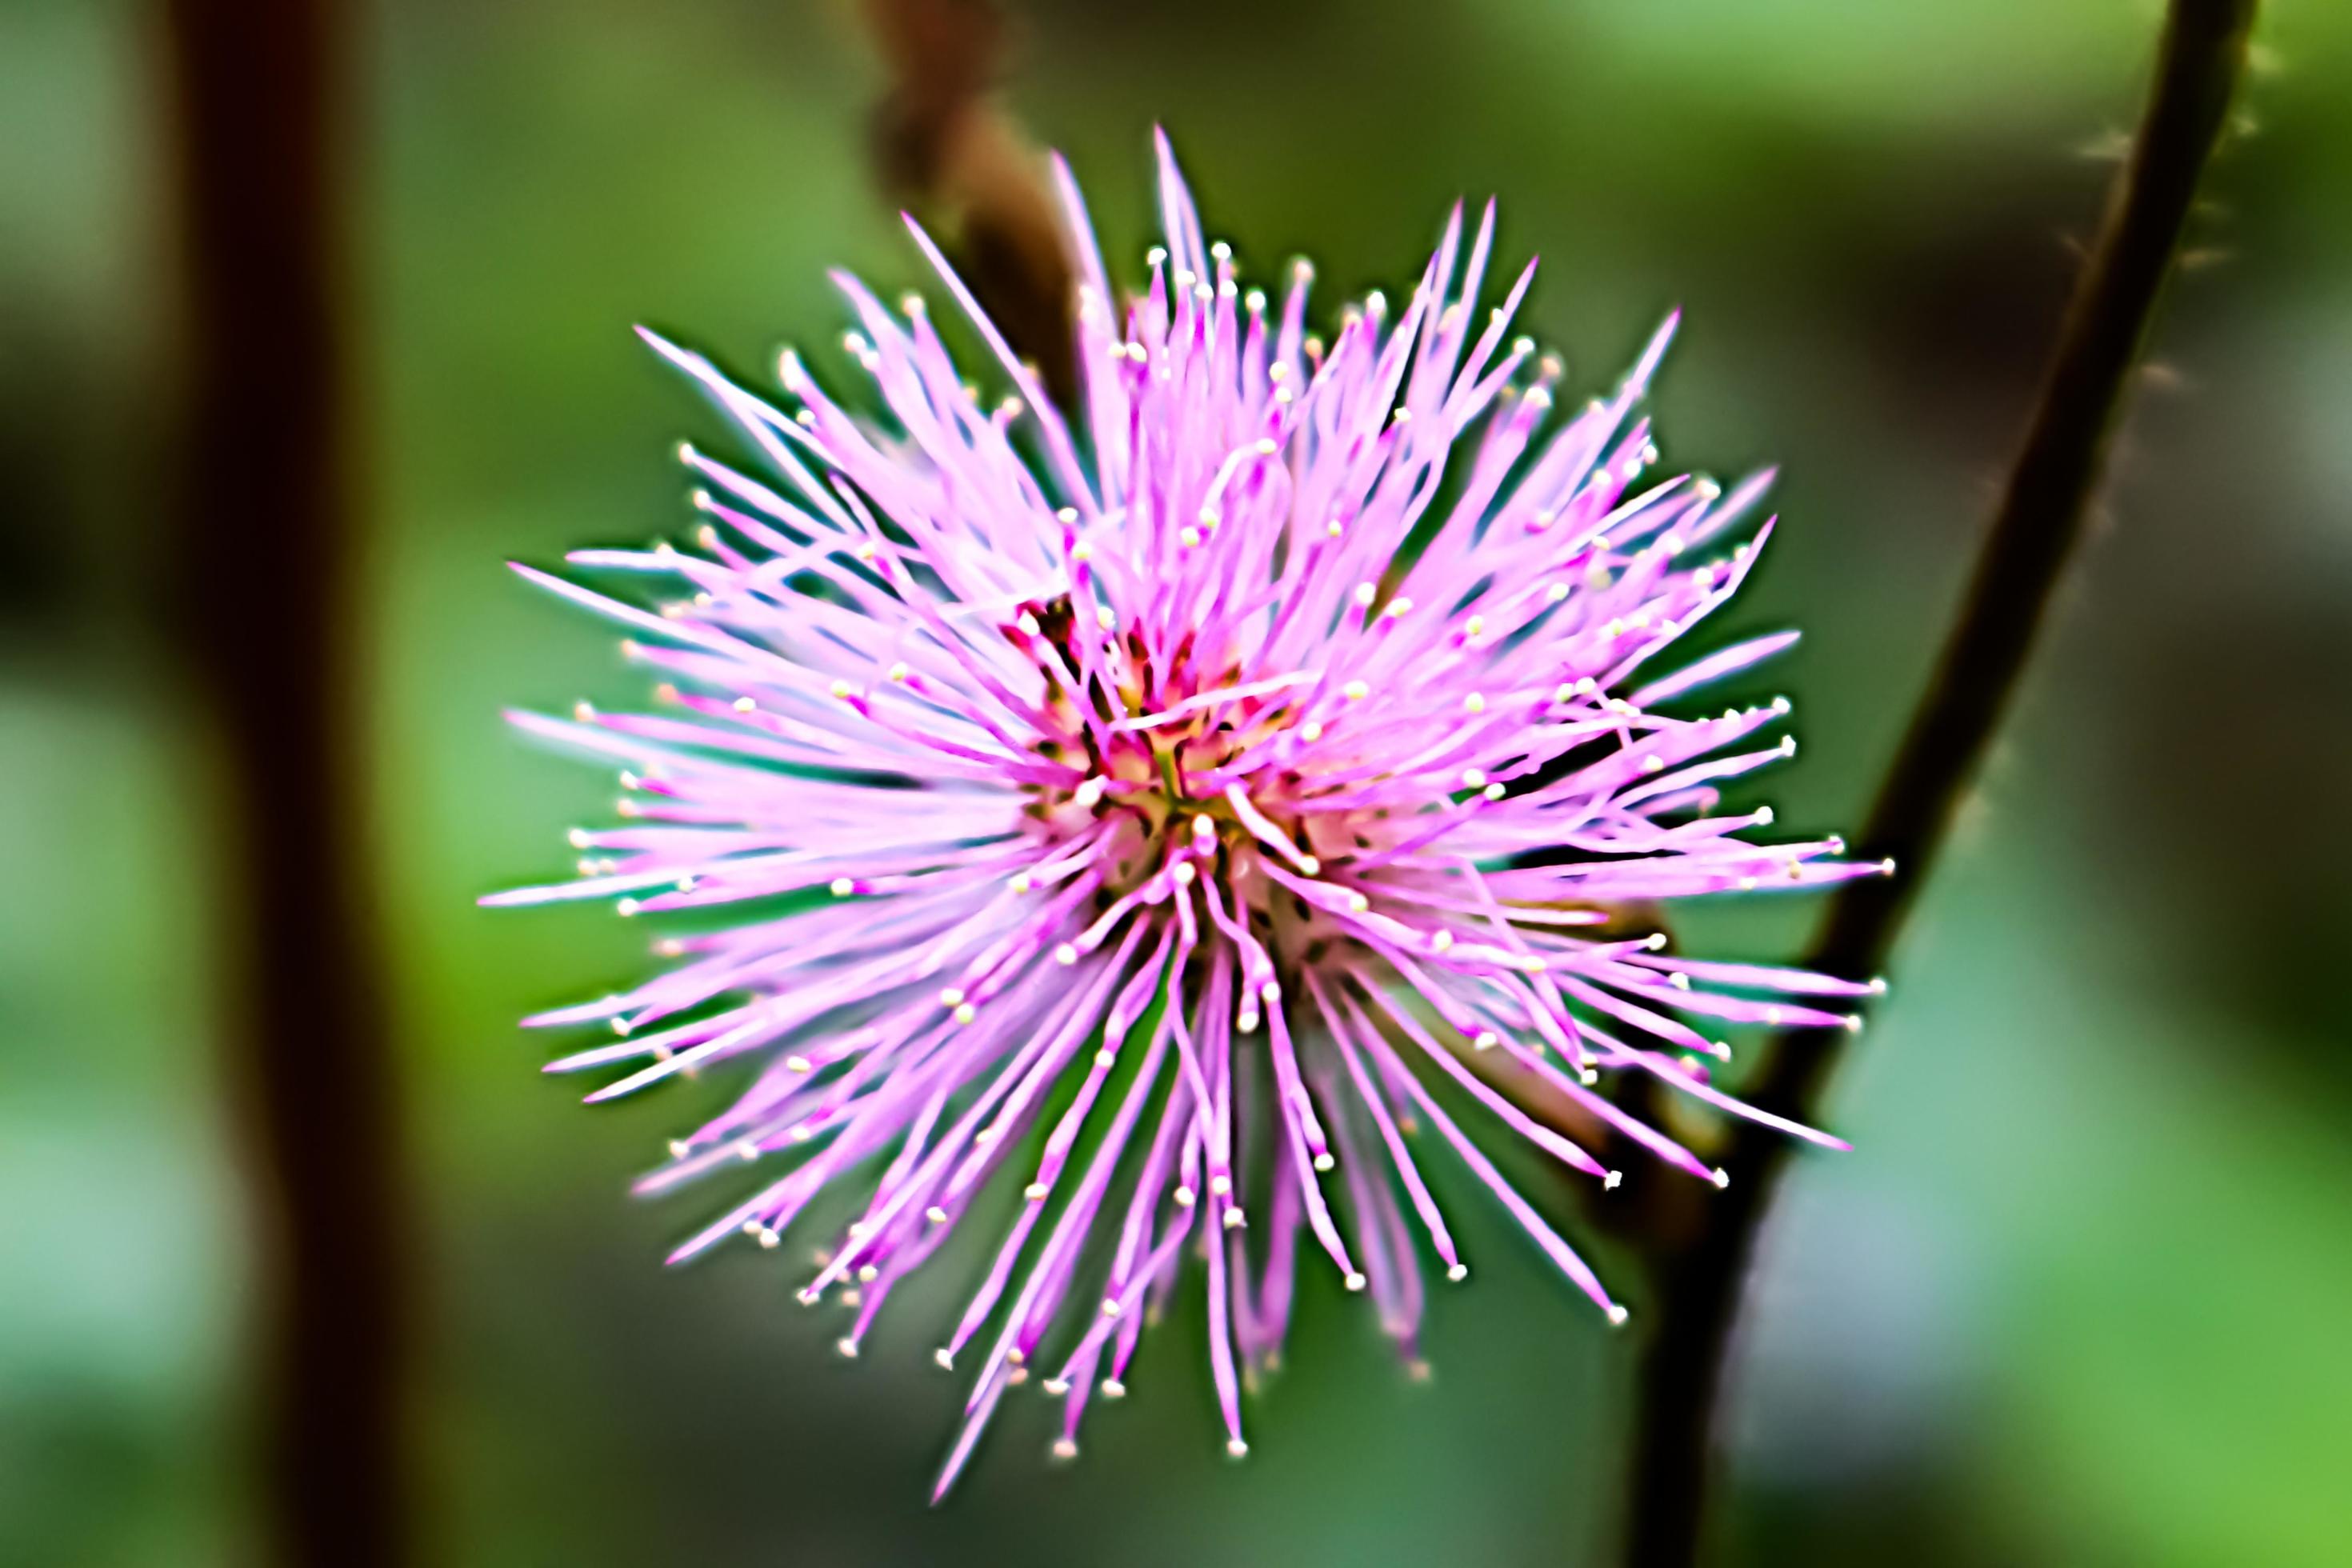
(944, 145)
(262, 543)
(2039, 521)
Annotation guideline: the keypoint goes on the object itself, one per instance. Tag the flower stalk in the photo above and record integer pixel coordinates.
(2039, 522)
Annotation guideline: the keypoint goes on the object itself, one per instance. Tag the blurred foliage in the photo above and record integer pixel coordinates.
(2071, 1300)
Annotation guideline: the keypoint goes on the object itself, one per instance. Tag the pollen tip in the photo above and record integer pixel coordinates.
(1618, 1314)
(1112, 1388)
(1236, 1448)
(1457, 1272)
(1354, 1281)
(945, 1357)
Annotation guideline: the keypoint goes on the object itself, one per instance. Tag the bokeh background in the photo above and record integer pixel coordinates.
(2079, 1295)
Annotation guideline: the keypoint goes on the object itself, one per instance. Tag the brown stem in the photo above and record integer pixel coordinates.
(261, 596)
(943, 144)
(2038, 523)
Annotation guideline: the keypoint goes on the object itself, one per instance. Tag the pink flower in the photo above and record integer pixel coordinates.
(1166, 807)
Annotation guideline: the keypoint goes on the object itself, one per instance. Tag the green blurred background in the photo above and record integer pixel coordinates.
(2078, 1296)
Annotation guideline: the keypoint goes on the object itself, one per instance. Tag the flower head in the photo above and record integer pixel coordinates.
(1163, 804)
